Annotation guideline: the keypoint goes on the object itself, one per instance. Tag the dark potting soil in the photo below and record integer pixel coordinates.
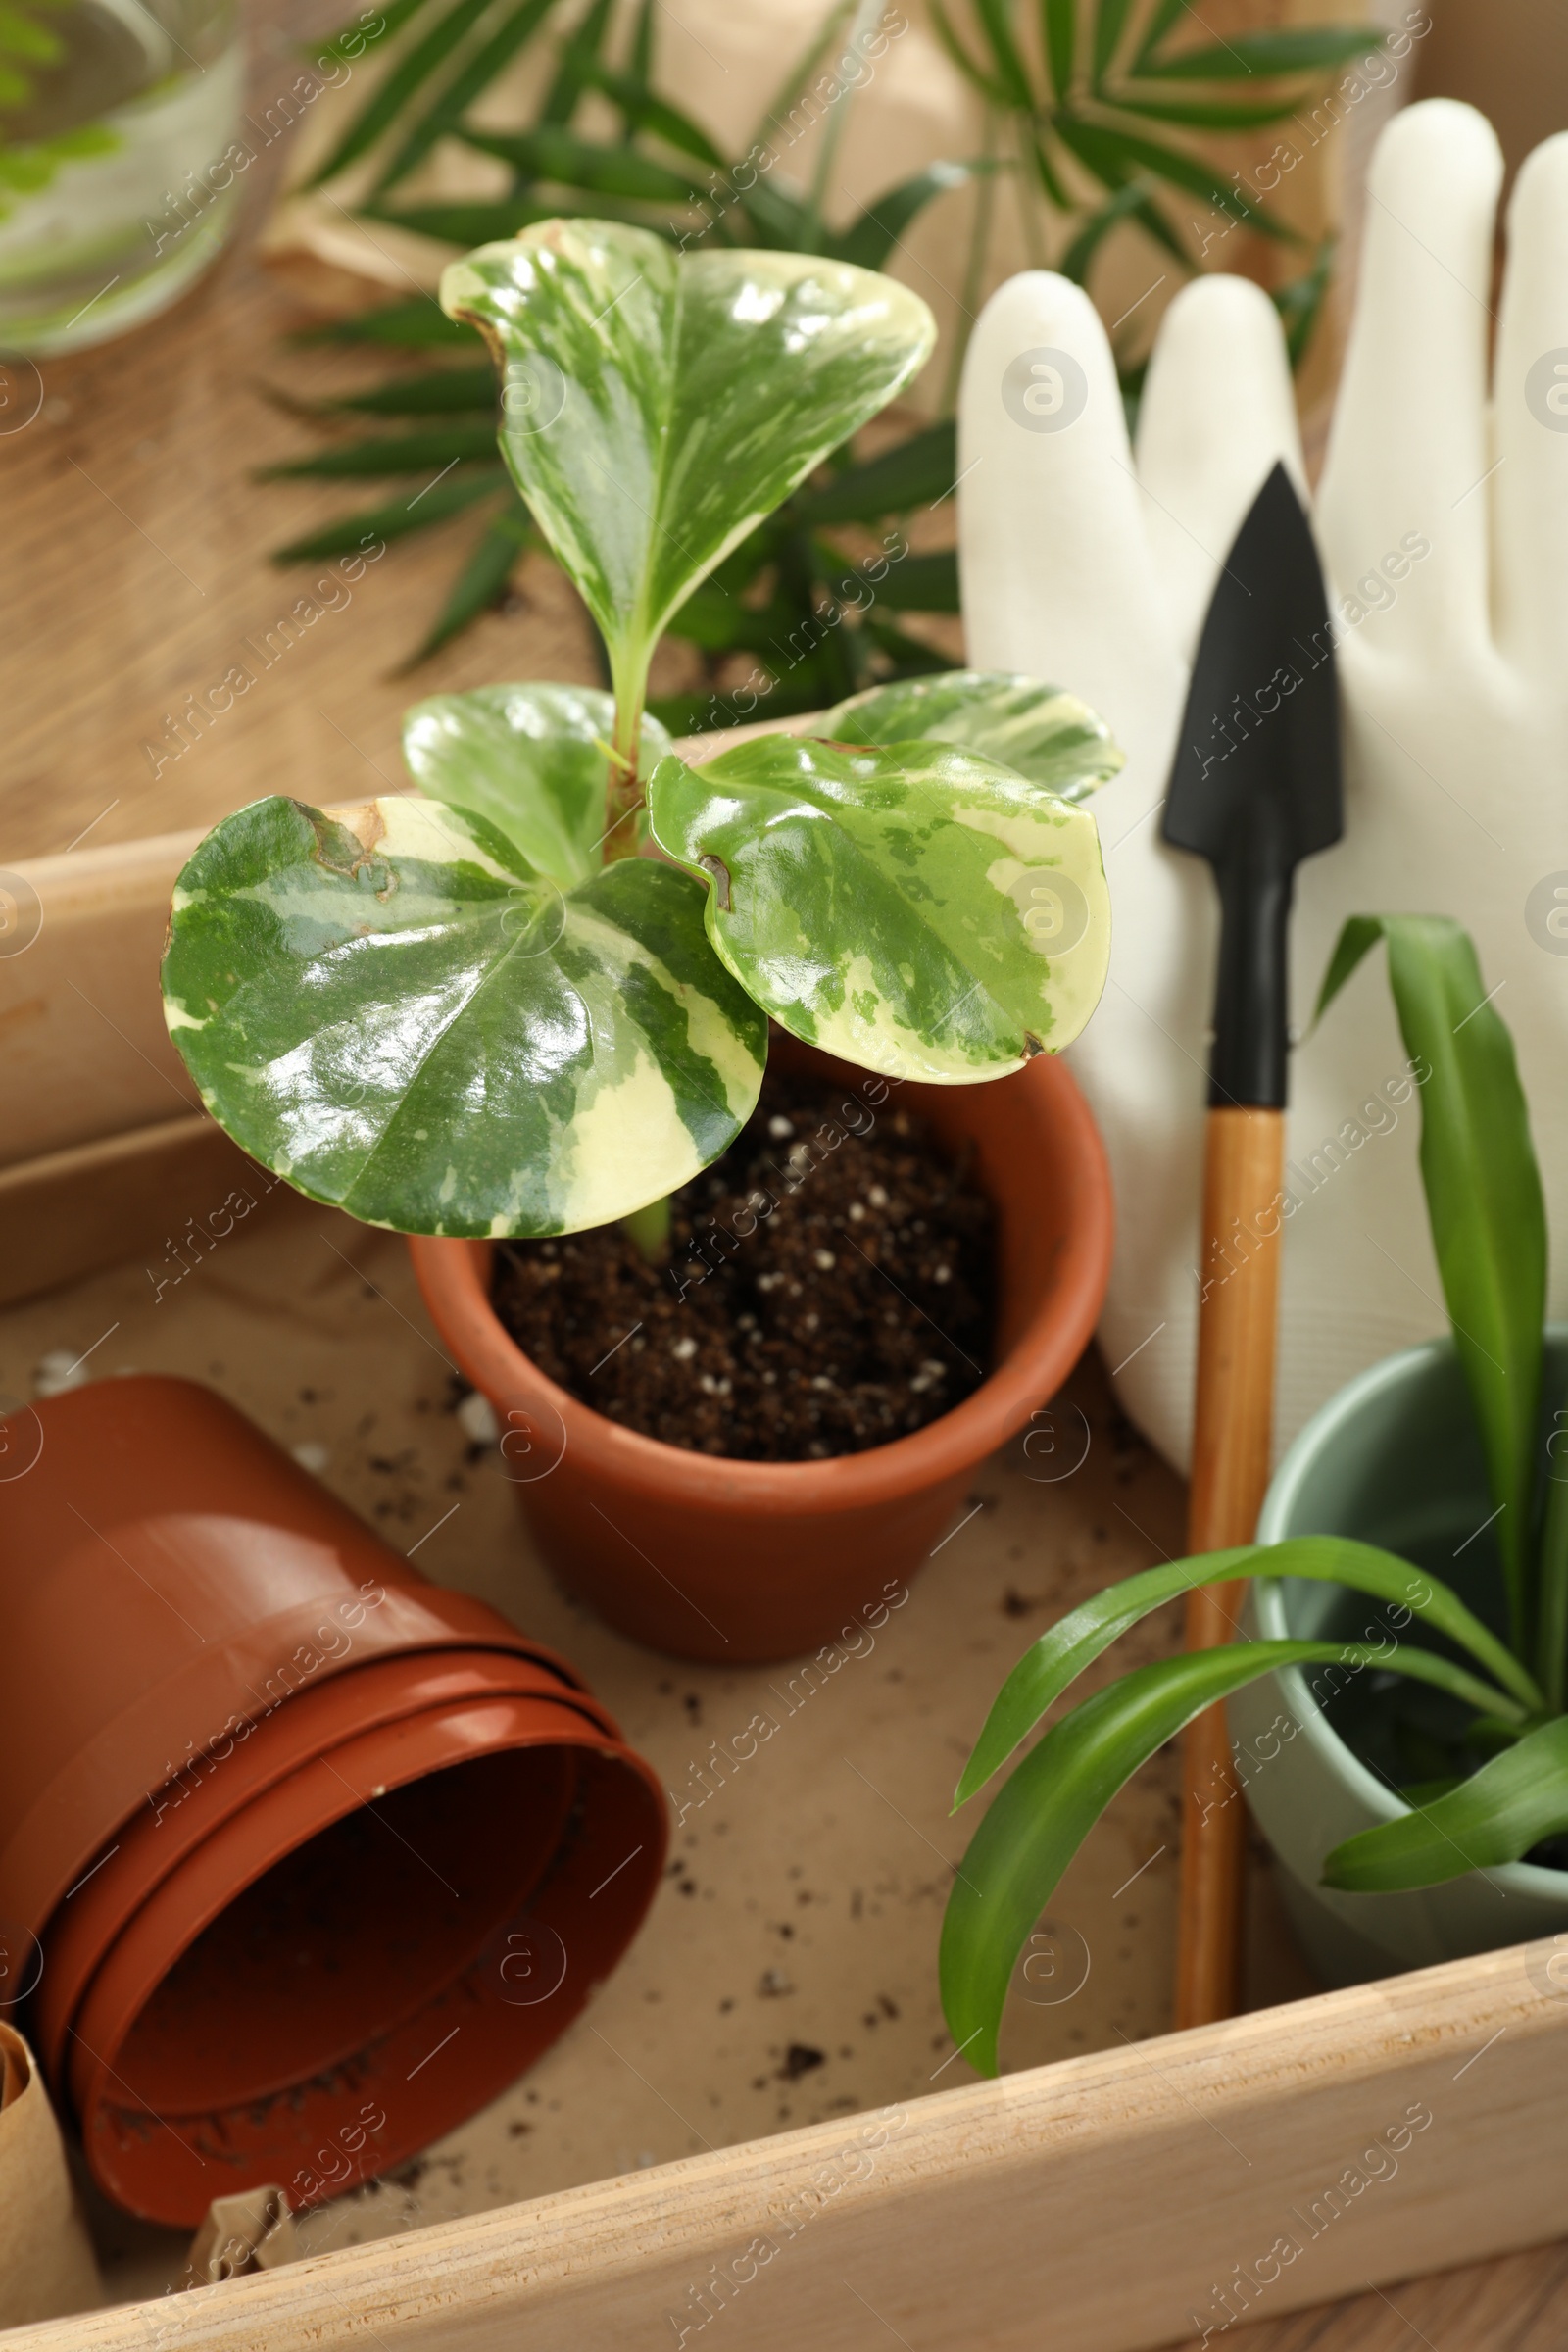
(829, 1289)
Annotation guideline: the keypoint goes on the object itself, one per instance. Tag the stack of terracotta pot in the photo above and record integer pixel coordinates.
(313, 1857)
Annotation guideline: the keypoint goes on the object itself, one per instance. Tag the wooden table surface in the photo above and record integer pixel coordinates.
(137, 569)
(136, 564)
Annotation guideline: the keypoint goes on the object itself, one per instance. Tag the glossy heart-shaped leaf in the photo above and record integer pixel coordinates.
(919, 909)
(531, 758)
(1039, 732)
(656, 406)
(393, 1009)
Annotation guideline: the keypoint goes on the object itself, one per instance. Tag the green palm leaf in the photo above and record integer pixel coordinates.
(1053, 1662)
(1300, 49)
(399, 519)
(1043, 1814)
(1483, 1199)
(1496, 1816)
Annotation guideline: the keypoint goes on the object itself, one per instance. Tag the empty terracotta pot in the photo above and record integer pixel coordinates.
(320, 1855)
(741, 1561)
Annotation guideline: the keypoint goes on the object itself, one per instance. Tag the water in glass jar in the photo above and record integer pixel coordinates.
(106, 105)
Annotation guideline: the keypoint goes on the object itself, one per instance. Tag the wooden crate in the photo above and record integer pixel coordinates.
(759, 2126)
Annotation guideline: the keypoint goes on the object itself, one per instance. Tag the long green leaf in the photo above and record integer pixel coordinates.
(1075, 262)
(399, 519)
(1053, 1662)
(480, 583)
(566, 161)
(919, 907)
(580, 54)
(349, 44)
(1110, 22)
(1209, 113)
(687, 396)
(1298, 49)
(512, 34)
(389, 453)
(1299, 301)
(1484, 1199)
(1059, 30)
(1496, 1816)
(992, 88)
(926, 583)
(918, 473)
(1552, 1641)
(995, 20)
(868, 241)
(473, 222)
(1163, 20)
(390, 97)
(444, 392)
(1114, 154)
(418, 324)
(1047, 736)
(404, 1017)
(529, 758)
(1043, 1812)
(643, 109)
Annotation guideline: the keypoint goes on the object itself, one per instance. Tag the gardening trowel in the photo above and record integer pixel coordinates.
(1254, 789)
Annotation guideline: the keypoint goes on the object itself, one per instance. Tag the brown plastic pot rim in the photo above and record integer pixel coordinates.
(501, 2035)
(68, 1826)
(252, 1841)
(453, 1278)
(318, 1720)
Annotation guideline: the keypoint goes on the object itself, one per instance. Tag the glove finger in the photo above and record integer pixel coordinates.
(1054, 564)
(1401, 513)
(1531, 390)
(1218, 413)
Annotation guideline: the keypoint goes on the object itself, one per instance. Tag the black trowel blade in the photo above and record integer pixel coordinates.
(1255, 783)
(1257, 760)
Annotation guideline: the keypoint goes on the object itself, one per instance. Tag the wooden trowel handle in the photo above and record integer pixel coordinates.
(1239, 1272)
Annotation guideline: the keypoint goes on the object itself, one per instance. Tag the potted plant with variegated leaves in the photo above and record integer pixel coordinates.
(1398, 1706)
(533, 999)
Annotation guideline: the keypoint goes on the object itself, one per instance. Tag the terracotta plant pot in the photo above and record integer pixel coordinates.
(319, 1856)
(741, 1561)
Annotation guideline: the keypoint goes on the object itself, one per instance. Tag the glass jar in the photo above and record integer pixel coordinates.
(115, 116)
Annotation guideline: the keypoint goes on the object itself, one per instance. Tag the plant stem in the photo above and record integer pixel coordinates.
(624, 787)
(975, 266)
(1028, 217)
(867, 16)
(650, 1229)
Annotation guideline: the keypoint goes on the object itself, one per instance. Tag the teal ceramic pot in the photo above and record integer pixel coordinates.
(1392, 1459)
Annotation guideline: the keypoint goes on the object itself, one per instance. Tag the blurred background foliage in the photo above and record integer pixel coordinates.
(1096, 115)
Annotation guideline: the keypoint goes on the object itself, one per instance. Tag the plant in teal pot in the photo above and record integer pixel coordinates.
(1400, 1708)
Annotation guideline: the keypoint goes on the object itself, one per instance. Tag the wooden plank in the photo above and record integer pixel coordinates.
(126, 1196)
(83, 1043)
(1101, 2204)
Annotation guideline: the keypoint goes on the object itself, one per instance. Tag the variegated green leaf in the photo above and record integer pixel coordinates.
(532, 758)
(656, 406)
(397, 1011)
(1044, 734)
(922, 908)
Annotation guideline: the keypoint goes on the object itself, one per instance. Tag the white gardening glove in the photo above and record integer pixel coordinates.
(1443, 530)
